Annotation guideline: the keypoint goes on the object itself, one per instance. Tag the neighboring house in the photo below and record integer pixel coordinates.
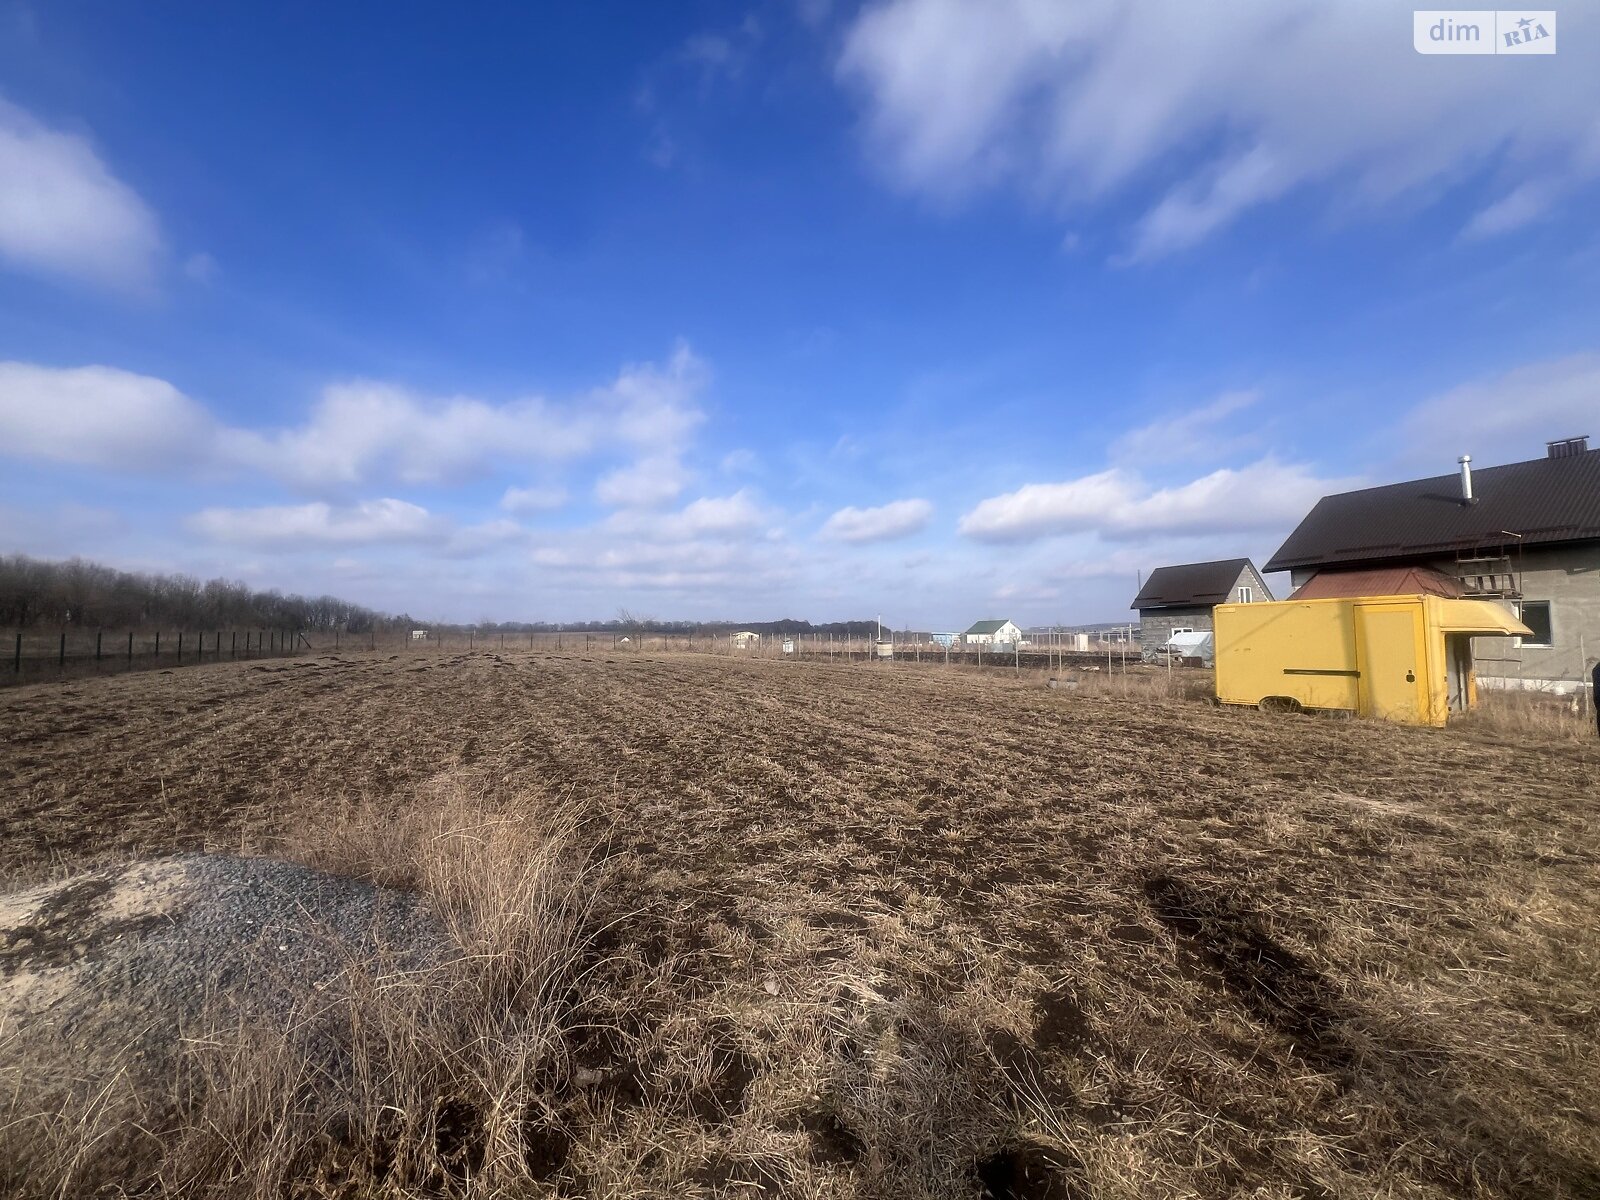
(1525, 534)
(1179, 599)
(744, 639)
(419, 635)
(992, 633)
(945, 639)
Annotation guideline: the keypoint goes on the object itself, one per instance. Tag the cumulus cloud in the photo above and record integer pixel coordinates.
(1081, 104)
(320, 524)
(654, 480)
(100, 417)
(63, 213)
(1117, 504)
(894, 520)
(356, 433)
(1505, 417)
(536, 499)
(738, 515)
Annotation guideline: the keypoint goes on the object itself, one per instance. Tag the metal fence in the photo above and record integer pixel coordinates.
(36, 655)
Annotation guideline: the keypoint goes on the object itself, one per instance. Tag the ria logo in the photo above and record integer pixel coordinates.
(1484, 31)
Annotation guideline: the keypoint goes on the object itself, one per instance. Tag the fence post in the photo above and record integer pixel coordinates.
(158, 643)
(61, 659)
(16, 658)
(130, 648)
(235, 650)
(180, 645)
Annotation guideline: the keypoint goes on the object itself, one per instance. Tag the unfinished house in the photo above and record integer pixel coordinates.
(1525, 534)
(1179, 600)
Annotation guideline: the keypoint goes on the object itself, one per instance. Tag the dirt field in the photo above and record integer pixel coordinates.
(912, 932)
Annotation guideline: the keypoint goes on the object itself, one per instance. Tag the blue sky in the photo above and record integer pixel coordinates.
(932, 309)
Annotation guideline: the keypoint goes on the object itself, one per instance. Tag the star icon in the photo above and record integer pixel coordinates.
(1525, 22)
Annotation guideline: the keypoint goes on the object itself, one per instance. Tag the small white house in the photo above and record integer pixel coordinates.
(745, 639)
(419, 635)
(991, 633)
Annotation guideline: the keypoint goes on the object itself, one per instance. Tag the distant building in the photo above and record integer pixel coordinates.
(945, 639)
(1526, 535)
(1179, 599)
(419, 635)
(992, 633)
(745, 639)
(1193, 649)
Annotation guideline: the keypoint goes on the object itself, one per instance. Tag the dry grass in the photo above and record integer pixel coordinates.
(1531, 717)
(438, 1083)
(871, 932)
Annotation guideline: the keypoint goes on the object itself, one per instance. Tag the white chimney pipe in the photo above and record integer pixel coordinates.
(1466, 478)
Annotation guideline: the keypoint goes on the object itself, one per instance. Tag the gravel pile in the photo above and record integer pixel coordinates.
(109, 970)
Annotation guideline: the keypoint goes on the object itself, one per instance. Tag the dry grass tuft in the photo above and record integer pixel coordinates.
(1529, 716)
(421, 1081)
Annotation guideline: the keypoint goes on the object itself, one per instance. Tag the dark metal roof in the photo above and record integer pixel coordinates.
(1543, 500)
(1190, 584)
(987, 626)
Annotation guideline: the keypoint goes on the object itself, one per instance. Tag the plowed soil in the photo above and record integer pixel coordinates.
(1179, 950)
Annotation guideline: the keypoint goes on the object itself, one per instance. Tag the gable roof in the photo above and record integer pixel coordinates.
(1379, 581)
(1190, 584)
(988, 626)
(1543, 500)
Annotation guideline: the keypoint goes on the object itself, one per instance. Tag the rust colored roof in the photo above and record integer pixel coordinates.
(1544, 500)
(1379, 581)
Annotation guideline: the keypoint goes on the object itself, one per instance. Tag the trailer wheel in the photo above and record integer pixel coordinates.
(1280, 704)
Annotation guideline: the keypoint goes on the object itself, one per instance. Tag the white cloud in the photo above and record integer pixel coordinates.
(357, 433)
(1081, 104)
(63, 213)
(1507, 417)
(654, 480)
(99, 417)
(1117, 504)
(1521, 206)
(1188, 434)
(732, 516)
(296, 525)
(535, 499)
(894, 520)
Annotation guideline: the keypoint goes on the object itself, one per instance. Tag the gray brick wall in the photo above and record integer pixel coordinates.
(1156, 626)
(1569, 579)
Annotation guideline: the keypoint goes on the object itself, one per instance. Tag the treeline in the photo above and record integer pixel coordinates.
(36, 593)
(84, 594)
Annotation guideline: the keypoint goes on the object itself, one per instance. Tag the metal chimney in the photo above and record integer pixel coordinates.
(1466, 479)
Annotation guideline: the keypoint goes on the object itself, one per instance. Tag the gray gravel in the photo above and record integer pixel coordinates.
(108, 970)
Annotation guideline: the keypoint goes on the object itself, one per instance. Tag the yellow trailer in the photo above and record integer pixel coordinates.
(1398, 658)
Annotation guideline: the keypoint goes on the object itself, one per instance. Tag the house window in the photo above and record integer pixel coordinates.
(1535, 614)
(1246, 595)
(1177, 629)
